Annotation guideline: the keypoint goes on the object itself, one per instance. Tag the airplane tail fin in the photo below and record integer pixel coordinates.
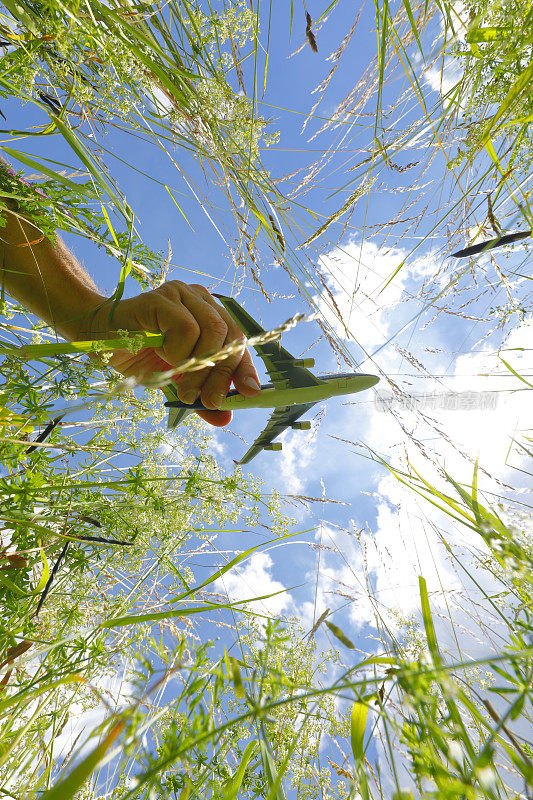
(245, 322)
(176, 415)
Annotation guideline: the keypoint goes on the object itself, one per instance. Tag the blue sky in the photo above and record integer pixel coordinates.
(376, 531)
(379, 321)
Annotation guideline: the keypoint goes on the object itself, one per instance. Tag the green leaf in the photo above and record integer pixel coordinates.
(266, 71)
(142, 338)
(237, 679)
(186, 791)
(518, 705)
(326, 12)
(428, 622)
(520, 84)
(271, 773)
(515, 373)
(231, 788)
(9, 584)
(475, 505)
(357, 729)
(523, 766)
(124, 272)
(45, 574)
(382, 52)
(56, 176)
(134, 619)
(236, 560)
(377, 660)
(85, 158)
(488, 34)
(109, 225)
(179, 208)
(412, 22)
(489, 147)
(20, 10)
(29, 696)
(336, 631)
(391, 278)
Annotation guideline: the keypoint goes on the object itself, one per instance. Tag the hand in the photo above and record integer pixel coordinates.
(194, 324)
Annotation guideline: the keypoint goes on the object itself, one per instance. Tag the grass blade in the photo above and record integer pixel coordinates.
(69, 787)
(428, 622)
(358, 719)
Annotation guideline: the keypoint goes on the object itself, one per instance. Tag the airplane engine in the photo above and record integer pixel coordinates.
(273, 446)
(301, 426)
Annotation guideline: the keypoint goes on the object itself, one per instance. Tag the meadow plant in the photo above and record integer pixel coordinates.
(117, 676)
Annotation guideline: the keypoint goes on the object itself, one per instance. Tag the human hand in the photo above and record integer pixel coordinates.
(194, 325)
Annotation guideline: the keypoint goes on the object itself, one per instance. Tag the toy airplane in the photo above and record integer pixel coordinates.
(293, 391)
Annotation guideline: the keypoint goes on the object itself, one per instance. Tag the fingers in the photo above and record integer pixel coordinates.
(245, 377)
(212, 337)
(161, 311)
(140, 366)
(244, 374)
(194, 325)
(216, 418)
(213, 384)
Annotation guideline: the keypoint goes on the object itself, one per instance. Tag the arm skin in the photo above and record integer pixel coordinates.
(49, 281)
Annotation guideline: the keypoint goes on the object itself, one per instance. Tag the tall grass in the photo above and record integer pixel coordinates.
(96, 539)
(112, 683)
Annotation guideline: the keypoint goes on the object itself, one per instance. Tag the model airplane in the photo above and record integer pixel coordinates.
(293, 391)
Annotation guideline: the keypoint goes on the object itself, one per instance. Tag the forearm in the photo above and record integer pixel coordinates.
(45, 278)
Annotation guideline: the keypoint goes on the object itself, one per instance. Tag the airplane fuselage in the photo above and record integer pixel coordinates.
(271, 397)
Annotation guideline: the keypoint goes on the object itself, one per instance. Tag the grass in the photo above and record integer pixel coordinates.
(99, 537)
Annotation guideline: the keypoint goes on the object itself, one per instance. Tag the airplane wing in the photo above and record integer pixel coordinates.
(284, 370)
(280, 419)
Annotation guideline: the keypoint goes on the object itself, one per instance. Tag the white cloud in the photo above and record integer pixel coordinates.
(116, 692)
(491, 407)
(373, 574)
(81, 731)
(216, 446)
(445, 71)
(410, 536)
(297, 454)
(254, 579)
(364, 292)
(375, 571)
(164, 448)
(443, 76)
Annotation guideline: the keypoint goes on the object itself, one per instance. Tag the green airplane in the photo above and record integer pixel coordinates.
(293, 391)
